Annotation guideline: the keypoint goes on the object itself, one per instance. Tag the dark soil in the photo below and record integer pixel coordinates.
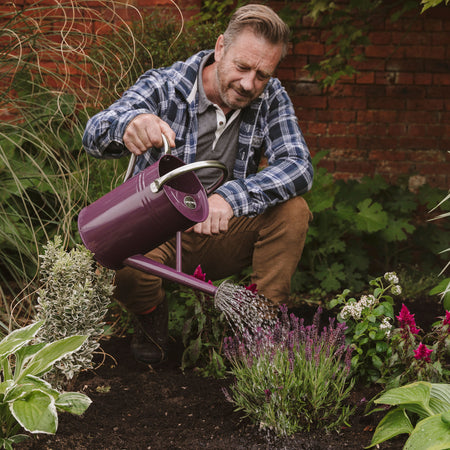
(137, 407)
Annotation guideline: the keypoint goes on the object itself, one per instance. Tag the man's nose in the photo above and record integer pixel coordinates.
(248, 81)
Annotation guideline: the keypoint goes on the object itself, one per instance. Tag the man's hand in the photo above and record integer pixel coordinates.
(145, 131)
(220, 213)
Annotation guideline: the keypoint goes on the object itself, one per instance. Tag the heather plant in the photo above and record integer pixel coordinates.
(369, 323)
(415, 357)
(73, 300)
(421, 410)
(293, 377)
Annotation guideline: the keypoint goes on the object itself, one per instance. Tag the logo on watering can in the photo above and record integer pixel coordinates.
(189, 202)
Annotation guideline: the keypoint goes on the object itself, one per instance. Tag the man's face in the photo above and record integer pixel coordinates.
(244, 69)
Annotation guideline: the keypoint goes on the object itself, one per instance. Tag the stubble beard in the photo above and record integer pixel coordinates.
(226, 90)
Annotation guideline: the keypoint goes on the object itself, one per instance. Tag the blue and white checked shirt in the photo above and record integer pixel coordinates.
(269, 126)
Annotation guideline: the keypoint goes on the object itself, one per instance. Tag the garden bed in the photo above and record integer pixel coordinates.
(135, 407)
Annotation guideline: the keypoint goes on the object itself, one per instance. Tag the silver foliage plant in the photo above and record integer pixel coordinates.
(73, 300)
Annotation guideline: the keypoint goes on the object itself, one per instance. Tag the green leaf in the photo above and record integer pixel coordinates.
(73, 402)
(28, 385)
(397, 230)
(395, 422)
(43, 360)
(440, 397)
(370, 216)
(36, 412)
(429, 434)
(376, 361)
(413, 397)
(17, 339)
(360, 328)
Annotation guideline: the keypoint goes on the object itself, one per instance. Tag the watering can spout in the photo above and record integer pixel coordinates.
(141, 262)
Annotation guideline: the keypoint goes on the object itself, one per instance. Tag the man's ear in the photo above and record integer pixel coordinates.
(219, 49)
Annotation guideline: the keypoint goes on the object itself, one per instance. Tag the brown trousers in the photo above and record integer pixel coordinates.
(272, 243)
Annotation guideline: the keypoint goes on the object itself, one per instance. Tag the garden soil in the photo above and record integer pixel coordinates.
(138, 407)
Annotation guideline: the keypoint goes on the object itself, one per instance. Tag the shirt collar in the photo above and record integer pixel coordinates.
(203, 102)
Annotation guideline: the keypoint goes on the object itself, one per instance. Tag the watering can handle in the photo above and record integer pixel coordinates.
(157, 184)
(132, 161)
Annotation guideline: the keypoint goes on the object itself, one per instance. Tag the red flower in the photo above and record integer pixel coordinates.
(252, 288)
(406, 319)
(423, 353)
(447, 318)
(199, 274)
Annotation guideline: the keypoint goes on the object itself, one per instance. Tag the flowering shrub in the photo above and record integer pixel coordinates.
(203, 332)
(368, 322)
(415, 357)
(294, 377)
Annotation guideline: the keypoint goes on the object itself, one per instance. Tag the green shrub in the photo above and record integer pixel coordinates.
(73, 300)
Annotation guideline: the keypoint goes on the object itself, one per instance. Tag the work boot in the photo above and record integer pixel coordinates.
(150, 340)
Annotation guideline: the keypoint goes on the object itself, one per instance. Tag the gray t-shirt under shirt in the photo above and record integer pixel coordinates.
(217, 133)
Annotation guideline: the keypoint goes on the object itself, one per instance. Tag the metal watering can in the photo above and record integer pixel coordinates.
(146, 211)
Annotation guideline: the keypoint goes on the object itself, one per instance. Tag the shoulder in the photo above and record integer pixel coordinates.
(181, 75)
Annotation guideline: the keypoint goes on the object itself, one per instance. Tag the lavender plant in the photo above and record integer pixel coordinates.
(292, 378)
(369, 323)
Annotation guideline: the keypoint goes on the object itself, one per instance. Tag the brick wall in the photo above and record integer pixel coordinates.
(393, 118)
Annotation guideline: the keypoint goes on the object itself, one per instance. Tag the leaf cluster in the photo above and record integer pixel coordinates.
(27, 401)
(401, 366)
(362, 227)
(421, 410)
(73, 300)
(368, 324)
(203, 331)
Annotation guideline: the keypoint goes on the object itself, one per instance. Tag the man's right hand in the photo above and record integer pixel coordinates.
(145, 131)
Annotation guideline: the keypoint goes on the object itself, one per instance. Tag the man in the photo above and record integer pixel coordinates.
(223, 105)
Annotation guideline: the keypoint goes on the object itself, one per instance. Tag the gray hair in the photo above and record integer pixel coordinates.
(263, 21)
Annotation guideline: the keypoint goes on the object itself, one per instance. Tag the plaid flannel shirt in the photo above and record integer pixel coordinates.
(269, 127)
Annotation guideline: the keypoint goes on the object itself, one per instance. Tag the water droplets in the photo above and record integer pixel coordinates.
(244, 309)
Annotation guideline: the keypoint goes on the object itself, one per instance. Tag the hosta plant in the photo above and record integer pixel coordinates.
(292, 378)
(420, 409)
(27, 401)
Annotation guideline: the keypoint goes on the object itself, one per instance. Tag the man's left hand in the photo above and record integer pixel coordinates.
(220, 213)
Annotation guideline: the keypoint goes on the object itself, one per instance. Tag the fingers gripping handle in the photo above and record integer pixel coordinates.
(132, 161)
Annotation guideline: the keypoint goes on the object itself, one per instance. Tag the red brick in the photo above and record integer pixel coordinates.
(337, 142)
(441, 79)
(365, 78)
(425, 104)
(344, 103)
(337, 129)
(381, 116)
(343, 116)
(309, 48)
(423, 78)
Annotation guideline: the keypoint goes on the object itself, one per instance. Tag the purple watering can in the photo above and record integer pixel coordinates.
(146, 211)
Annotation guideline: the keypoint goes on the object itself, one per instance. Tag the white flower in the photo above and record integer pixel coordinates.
(386, 325)
(396, 290)
(391, 277)
(366, 301)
